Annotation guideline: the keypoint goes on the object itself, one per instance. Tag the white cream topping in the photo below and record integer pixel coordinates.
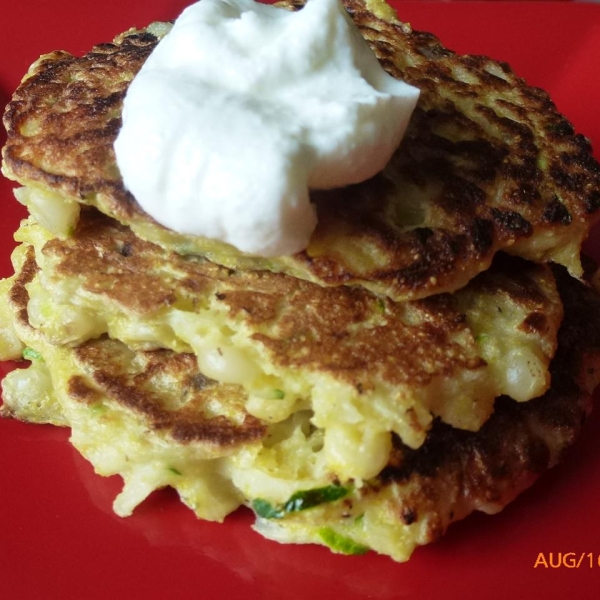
(242, 107)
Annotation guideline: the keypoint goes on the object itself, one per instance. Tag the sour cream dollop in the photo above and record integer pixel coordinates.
(243, 107)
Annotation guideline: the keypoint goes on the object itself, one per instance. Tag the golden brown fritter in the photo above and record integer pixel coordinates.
(487, 164)
(357, 360)
(122, 405)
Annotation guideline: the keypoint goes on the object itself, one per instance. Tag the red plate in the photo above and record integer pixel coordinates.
(58, 536)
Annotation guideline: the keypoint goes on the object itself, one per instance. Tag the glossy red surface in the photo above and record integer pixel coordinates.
(58, 536)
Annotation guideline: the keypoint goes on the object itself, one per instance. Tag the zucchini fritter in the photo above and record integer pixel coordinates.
(365, 366)
(487, 164)
(153, 418)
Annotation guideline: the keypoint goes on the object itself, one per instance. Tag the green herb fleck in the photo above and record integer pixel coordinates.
(301, 500)
(31, 354)
(340, 543)
(174, 470)
(98, 408)
(309, 498)
(482, 337)
(278, 394)
(266, 510)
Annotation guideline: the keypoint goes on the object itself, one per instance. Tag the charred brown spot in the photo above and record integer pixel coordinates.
(482, 234)
(556, 212)
(126, 250)
(511, 222)
(199, 381)
(218, 431)
(81, 391)
(524, 194)
(535, 323)
(18, 295)
(409, 515)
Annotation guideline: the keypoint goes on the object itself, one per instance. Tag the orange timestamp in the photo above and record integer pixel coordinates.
(567, 560)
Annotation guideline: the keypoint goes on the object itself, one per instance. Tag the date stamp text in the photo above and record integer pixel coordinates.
(567, 560)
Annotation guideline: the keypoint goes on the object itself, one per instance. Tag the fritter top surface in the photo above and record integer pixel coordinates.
(487, 164)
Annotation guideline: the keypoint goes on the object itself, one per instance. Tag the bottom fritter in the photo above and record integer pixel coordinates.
(153, 418)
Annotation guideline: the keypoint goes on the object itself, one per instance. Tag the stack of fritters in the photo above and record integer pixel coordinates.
(426, 356)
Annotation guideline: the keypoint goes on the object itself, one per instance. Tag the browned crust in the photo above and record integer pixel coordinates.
(76, 104)
(110, 261)
(135, 389)
(500, 167)
(456, 472)
(347, 332)
(18, 295)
